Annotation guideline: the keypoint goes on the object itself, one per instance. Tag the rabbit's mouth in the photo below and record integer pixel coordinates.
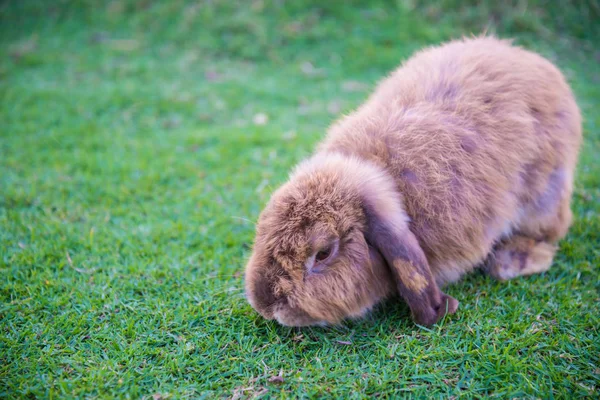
(282, 312)
(293, 319)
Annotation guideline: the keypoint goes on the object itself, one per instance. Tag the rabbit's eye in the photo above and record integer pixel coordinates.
(320, 260)
(322, 255)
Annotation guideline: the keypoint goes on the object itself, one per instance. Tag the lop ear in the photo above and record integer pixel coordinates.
(388, 231)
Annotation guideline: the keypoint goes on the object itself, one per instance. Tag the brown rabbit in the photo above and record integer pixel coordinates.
(465, 154)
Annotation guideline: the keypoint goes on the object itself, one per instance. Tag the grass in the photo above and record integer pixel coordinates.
(139, 139)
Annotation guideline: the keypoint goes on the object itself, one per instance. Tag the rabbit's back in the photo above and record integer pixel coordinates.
(479, 135)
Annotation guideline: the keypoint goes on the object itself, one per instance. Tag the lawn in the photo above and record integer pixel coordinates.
(140, 139)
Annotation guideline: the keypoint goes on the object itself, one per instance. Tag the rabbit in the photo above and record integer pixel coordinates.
(462, 158)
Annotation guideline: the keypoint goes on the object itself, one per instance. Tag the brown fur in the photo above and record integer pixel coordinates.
(465, 153)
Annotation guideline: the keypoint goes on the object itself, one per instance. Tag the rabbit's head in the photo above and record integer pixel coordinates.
(332, 242)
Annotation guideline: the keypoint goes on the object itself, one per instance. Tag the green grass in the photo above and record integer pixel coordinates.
(131, 166)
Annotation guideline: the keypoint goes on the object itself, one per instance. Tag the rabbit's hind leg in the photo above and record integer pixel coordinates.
(519, 255)
(531, 248)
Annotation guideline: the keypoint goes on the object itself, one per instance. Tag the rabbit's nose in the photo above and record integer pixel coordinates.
(261, 296)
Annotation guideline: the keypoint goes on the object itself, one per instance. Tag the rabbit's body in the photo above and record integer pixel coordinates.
(481, 139)
(465, 153)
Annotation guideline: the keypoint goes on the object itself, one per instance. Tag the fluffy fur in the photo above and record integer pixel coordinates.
(463, 156)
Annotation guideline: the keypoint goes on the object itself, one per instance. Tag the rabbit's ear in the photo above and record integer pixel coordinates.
(387, 230)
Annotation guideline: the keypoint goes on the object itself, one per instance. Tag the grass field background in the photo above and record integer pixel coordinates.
(139, 140)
